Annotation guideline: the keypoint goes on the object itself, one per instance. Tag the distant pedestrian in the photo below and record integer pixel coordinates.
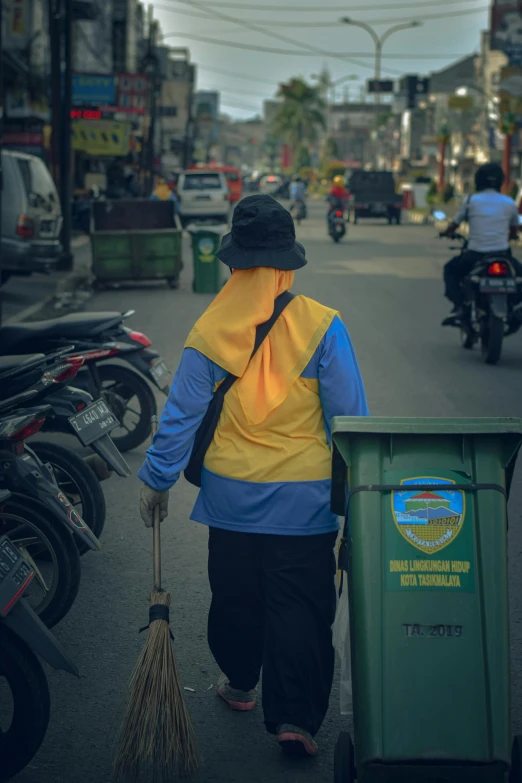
(165, 192)
(266, 480)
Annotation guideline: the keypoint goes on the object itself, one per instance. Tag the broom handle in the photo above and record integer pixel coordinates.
(156, 535)
(157, 549)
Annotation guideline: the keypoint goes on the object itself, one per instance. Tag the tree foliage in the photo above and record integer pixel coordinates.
(301, 115)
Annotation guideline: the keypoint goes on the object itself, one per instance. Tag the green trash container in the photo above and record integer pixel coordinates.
(425, 550)
(135, 239)
(209, 273)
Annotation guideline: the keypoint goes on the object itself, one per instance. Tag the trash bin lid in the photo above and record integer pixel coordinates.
(194, 228)
(382, 425)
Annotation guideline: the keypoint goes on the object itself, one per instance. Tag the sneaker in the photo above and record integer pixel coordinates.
(295, 741)
(243, 701)
(455, 319)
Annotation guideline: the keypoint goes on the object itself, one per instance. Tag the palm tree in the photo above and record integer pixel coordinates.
(301, 114)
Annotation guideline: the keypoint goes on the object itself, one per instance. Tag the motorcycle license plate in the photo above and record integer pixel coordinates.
(161, 374)
(93, 422)
(497, 285)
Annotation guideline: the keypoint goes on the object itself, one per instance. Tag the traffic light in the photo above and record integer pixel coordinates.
(412, 87)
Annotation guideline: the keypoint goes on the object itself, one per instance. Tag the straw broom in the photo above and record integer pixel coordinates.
(156, 736)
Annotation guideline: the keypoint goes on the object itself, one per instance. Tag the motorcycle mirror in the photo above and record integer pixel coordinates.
(439, 215)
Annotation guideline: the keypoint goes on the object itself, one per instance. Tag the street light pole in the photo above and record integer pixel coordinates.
(379, 42)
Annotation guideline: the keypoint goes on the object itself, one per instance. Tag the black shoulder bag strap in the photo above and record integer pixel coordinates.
(206, 429)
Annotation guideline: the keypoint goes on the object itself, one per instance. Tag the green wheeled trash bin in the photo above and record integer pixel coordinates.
(425, 552)
(209, 273)
(135, 239)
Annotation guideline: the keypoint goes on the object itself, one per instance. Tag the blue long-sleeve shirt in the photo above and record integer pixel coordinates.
(289, 508)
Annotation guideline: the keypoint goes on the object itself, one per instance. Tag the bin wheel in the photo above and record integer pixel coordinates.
(515, 773)
(344, 759)
(173, 282)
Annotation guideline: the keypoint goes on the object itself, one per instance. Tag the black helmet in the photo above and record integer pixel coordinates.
(490, 175)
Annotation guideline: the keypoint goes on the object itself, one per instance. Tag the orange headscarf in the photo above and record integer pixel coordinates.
(226, 334)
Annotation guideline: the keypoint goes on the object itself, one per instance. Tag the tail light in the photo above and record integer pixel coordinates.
(498, 269)
(338, 213)
(19, 428)
(97, 353)
(64, 372)
(25, 227)
(139, 337)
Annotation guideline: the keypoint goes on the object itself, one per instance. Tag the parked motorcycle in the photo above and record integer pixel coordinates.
(336, 224)
(71, 410)
(39, 518)
(492, 302)
(23, 637)
(98, 337)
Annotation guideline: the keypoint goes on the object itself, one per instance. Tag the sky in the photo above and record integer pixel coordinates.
(246, 75)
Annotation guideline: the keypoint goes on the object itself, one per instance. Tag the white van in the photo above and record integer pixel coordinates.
(203, 194)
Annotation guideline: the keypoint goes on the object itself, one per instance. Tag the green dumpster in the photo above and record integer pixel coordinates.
(209, 273)
(425, 551)
(135, 240)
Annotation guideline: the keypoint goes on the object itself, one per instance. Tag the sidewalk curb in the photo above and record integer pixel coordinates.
(71, 292)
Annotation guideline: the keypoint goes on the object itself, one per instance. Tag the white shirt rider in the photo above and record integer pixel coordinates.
(490, 216)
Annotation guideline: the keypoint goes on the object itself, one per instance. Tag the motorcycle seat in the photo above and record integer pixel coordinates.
(67, 327)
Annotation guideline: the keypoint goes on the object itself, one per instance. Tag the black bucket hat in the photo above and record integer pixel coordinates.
(263, 234)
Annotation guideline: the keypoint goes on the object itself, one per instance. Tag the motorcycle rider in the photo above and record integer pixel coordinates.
(297, 195)
(493, 220)
(338, 197)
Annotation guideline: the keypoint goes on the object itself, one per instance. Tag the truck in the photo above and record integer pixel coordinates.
(373, 195)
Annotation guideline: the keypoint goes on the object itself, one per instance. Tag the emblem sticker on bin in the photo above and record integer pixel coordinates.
(429, 544)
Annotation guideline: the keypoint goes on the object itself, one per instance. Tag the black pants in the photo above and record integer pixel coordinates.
(460, 266)
(273, 605)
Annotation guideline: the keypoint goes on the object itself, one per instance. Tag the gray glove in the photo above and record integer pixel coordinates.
(149, 499)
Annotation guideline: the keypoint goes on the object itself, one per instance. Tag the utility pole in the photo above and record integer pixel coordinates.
(151, 71)
(66, 262)
(55, 46)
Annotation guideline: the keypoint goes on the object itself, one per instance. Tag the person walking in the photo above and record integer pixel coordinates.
(266, 478)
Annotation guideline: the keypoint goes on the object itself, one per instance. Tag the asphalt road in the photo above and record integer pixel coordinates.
(386, 283)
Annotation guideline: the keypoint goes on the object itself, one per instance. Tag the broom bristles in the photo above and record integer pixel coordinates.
(156, 733)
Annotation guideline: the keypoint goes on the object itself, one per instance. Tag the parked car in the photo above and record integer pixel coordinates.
(31, 216)
(203, 195)
(269, 184)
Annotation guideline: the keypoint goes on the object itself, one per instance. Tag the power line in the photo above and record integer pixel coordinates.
(335, 8)
(277, 25)
(242, 108)
(235, 75)
(306, 47)
(241, 92)
(337, 55)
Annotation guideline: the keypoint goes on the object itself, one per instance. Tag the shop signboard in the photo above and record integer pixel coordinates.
(460, 102)
(16, 21)
(510, 91)
(100, 138)
(207, 114)
(92, 89)
(20, 106)
(506, 29)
